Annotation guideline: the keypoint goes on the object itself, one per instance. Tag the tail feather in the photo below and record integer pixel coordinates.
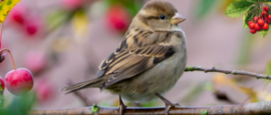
(85, 84)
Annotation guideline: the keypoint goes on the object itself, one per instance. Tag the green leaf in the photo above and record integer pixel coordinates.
(263, 33)
(21, 105)
(236, 8)
(204, 112)
(95, 109)
(268, 68)
(247, 17)
(204, 6)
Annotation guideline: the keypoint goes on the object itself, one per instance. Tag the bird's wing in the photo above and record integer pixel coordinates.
(130, 60)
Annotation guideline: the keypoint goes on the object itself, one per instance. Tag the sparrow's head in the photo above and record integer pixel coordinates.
(159, 15)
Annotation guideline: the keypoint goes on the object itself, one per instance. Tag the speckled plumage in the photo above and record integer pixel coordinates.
(150, 58)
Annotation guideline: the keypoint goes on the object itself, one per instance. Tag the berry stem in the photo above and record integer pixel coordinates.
(10, 56)
(2, 26)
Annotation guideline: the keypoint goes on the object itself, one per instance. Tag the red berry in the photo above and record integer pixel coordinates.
(265, 26)
(253, 31)
(255, 19)
(264, 13)
(260, 22)
(19, 81)
(252, 25)
(266, 8)
(35, 61)
(257, 27)
(2, 83)
(269, 17)
(268, 21)
(250, 22)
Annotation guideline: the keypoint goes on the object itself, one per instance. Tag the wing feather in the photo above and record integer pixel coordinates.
(135, 55)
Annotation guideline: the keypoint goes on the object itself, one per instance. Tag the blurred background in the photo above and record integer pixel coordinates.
(64, 41)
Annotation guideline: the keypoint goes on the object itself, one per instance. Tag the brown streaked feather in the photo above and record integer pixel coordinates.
(139, 51)
(98, 82)
(139, 41)
(133, 64)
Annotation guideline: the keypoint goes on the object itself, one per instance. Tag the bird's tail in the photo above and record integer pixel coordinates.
(98, 82)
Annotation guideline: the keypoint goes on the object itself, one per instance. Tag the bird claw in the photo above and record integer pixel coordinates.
(168, 104)
(122, 106)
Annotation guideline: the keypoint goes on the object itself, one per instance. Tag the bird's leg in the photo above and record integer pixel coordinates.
(167, 102)
(122, 106)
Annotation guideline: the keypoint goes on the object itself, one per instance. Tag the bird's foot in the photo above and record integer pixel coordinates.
(122, 106)
(167, 103)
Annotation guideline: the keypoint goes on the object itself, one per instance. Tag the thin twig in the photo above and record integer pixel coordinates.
(233, 72)
(247, 109)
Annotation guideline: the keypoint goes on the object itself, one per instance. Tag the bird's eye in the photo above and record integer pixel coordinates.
(162, 17)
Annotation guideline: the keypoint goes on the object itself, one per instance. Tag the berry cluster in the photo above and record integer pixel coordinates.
(260, 22)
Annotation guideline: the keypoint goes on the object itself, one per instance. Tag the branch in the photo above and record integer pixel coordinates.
(247, 109)
(233, 72)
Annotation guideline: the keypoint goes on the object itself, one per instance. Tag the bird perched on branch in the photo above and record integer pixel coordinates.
(148, 61)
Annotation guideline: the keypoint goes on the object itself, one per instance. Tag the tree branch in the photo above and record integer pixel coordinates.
(233, 72)
(247, 109)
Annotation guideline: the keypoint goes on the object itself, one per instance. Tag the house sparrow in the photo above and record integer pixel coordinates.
(148, 61)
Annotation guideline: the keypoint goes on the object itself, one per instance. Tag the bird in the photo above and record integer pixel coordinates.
(148, 61)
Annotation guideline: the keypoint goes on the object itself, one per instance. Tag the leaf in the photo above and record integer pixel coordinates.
(263, 33)
(80, 24)
(247, 16)
(204, 112)
(268, 68)
(221, 79)
(5, 7)
(204, 6)
(95, 108)
(236, 8)
(57, 19)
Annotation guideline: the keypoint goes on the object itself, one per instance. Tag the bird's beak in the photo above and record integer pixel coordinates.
(177, 18)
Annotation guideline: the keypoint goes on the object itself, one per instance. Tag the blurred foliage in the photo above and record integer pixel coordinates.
(254, 96)
(133, 6)
(245, 49)
(19, 105)
(204, 7)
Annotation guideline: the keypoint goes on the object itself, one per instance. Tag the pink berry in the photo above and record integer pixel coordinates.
(35, 61)
(44, 91)
(18, 14)
(118, 18)
(19, 81)
(72, 4)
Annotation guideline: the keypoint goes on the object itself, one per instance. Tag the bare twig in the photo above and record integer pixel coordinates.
(80, 96)
(233, 72)
(247, 109)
